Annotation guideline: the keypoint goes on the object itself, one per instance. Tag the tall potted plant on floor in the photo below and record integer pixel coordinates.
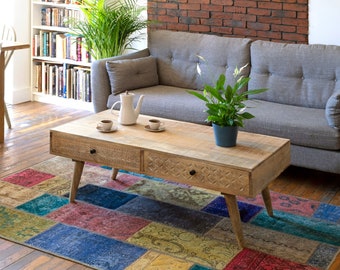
(225, 106)
(109, 27)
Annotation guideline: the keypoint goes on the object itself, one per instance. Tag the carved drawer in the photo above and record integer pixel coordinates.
(198, 173)
(91, 150)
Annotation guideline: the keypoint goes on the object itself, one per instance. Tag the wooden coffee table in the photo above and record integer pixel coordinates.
(184, 153)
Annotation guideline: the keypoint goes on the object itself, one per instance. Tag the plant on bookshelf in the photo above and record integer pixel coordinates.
(109, 28)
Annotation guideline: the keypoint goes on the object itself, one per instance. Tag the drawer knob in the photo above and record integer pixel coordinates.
(93, 151)
(192, 172)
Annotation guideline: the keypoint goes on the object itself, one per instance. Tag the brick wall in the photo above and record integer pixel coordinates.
(275, 20)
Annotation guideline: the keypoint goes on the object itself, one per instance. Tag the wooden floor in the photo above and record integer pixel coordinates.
(27, 143)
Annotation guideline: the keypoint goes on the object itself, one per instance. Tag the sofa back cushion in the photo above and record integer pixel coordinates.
(130, 74)
(295, 74)
(177, 57)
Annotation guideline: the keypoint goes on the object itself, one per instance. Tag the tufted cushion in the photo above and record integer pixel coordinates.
(333, 110)
(141, 72)
(295, 74)
(176, 54)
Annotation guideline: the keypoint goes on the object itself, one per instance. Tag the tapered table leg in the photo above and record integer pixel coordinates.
(114, 173)
(78, 170)
(235, 218)
(267, 201)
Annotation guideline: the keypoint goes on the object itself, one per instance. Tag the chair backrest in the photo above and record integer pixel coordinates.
(7, 33)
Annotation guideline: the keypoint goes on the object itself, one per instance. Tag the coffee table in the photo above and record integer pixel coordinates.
(184, 153)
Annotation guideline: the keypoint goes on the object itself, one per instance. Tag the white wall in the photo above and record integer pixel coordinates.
(17, 77)
(142, 42)
(324, 21)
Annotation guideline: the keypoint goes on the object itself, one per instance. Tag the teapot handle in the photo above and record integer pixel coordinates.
(114, 104)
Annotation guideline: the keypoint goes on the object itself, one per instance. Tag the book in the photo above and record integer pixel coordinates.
(38, 78)
(51, 80)
(60, 80)
(41, 41)
(45, 44)
(48, 17)
(43, 16)
(60, 46)
(36, 45)
(52, 45)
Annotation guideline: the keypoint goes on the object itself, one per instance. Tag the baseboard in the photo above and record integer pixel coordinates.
(16, 96)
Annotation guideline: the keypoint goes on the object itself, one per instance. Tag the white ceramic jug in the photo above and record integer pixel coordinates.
(128, 114)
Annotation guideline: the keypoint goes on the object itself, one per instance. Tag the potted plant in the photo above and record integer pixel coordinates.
(225, 106)
(109, 27)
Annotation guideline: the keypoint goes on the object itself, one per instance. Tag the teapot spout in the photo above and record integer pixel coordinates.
(139, 105)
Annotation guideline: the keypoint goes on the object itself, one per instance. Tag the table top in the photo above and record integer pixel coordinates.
(183, 139)
(13, 45)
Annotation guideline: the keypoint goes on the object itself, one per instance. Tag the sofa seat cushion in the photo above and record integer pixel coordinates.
(141, 72)
(168, 102)
(303, 126)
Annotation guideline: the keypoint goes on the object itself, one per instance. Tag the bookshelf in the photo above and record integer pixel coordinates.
(61, 65)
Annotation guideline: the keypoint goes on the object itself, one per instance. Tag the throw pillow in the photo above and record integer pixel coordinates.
(131, 74)
(333, 110)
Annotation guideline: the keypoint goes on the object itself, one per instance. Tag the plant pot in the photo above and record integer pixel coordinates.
(225, 136)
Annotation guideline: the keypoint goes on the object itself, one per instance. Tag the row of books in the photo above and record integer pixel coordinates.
(60, 17)
(67, 81)
(60, 46)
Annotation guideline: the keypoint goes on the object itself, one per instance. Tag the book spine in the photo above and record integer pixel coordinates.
(48, 16)
(53, 44)
(79, 48)
(38, 78)
(43, 16)
(60, 80)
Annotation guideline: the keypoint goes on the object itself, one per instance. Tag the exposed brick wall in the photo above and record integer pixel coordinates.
(275, 20)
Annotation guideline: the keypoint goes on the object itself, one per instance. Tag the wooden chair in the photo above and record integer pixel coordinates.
(7, 33)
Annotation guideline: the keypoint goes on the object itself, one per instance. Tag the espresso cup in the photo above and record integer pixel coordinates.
(155, 124)
(105, 125)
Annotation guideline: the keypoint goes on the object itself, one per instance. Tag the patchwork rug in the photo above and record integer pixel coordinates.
(140, 222)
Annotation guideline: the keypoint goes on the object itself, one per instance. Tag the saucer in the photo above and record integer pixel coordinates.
(113, 129)
(160, 129)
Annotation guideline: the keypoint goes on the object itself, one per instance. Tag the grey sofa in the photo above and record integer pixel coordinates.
(302, 102)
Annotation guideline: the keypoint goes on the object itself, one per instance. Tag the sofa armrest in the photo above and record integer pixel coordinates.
(100, 83)
(333, 110)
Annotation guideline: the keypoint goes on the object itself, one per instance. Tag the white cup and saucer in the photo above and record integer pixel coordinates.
(106, 126)
(155, 125)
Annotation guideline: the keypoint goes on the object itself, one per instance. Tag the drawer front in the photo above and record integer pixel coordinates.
(90, 150)
(197, 173)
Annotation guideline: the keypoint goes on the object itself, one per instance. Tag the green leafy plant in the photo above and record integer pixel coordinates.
(109, 27)
(225, 102)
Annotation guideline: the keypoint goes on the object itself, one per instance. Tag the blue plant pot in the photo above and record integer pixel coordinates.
(225, 136)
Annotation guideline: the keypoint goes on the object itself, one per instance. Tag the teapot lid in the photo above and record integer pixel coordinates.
(126, 93)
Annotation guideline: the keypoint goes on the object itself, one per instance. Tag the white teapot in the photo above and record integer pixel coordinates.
(128, 114)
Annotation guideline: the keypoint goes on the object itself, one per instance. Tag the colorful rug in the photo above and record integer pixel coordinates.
(140, 222)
